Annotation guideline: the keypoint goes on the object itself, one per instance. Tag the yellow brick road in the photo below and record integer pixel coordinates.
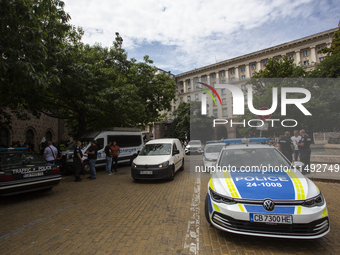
(115, 215)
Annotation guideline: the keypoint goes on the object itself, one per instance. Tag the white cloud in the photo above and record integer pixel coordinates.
(198, 30)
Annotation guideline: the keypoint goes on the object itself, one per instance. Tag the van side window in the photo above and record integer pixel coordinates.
(100, 143)
(174, 148)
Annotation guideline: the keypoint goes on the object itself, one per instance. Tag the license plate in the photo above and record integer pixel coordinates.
(271, 218)
(33, 174)
(145, 172)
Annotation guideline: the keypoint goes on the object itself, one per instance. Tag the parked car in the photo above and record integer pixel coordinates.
(159, 159)
(23, 171)
(211, 152)
(194, 146)
(255, 190)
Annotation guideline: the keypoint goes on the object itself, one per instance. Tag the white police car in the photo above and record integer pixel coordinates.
(255, 191)
(211, 151)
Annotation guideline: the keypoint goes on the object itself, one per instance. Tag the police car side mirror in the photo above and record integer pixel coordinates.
(175, 152)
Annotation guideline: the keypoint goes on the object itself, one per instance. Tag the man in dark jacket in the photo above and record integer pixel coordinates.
(92, 152)
(286, 146)
(305, 151)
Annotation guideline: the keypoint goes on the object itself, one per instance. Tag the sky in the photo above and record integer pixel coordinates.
(181, 35)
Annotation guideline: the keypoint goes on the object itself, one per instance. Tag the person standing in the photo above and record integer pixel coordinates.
(92, 153)
(78, 161)
(295, 139)
(286, 146)
(305, 151)
(115, 150)
(50, 153)
(108, 153)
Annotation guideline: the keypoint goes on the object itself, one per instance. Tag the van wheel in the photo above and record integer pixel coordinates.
(182, 167)
(171, 178)
(86, 168)
(206, 209)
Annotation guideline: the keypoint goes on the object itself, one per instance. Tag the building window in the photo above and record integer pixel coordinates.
(265, 62)
(189, 99)
(188, 81)
(181, 99)
(243, 77)
(223, 91)
(205, 78)
(48, 136)
(252, 74)
(321, 47)
(290, 56)
(306, 63)
(214, 83)
(224, 101)
(30, 136)
(222, 74)
(196, 97)
(174, 108)
(215, 112)
(189, 89)
(213, 75)
(197, 80)
(305, 53)
(233, 79)
(321, 59)
(244, 87)
(182, 91)
(225, 112)
(243, 68)
(253, 66)
(223, 81)
(245, 97)
(232, 71)
(197, 87)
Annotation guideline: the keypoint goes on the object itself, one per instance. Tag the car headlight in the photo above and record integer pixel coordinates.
(314, 201)
(220, 198)
(164, 164)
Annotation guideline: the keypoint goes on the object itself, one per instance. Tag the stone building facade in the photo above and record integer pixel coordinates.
(237, 71)
(35, 130)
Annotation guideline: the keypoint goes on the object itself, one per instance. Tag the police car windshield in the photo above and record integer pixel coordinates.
(15, 159)
(252, 158)
(216, 148)
(156, 149)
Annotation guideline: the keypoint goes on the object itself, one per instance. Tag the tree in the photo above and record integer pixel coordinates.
(99, 87)
(32, 33)
(190, 124)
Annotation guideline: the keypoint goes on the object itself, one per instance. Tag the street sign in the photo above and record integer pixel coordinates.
(264, 117)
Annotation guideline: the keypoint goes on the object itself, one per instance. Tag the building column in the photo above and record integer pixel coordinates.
(184, 86)
(208, 80)
(297, 57)
(218, 78)
(258, 66)
(237, 75)
(248, 75)
(226, 71)
(313, 53)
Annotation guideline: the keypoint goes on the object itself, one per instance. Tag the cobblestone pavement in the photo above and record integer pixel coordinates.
(115, 215)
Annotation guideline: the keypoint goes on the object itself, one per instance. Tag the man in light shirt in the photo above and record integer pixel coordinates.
(295, 139)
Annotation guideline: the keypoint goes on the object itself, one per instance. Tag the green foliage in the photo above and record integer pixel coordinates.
(46, 69)
(190, 123)
(32, 33)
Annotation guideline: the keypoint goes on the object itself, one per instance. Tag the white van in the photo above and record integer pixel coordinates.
(159, 159)
(129, 141)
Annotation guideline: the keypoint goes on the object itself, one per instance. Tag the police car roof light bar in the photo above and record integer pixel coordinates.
(246, 140)
(14, 149)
